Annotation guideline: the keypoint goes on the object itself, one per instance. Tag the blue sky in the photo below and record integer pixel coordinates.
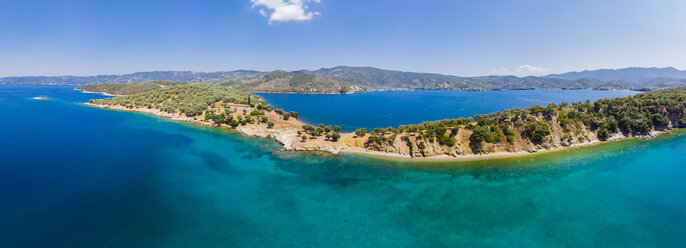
(88, 37)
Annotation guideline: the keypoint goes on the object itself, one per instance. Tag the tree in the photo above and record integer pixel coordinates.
(208, 116)
(477, 138)
(361, 132)
(286, 116)
(328, 136)
(308, 128)
(335, 137)
(641, 125)
(219, 118)
(270, 124)
(304, 137)
(255, 112)
(337, 129)
(660, 120)
(294, 114)
(445, 140)
(537, 130)
(481, 134)
(603, 134)
(234, 124)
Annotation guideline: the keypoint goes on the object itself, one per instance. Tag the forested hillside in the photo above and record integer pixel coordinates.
(289, 82)
(127, 88)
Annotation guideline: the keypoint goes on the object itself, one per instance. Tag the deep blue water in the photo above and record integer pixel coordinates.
(402, 107)
(74, 176)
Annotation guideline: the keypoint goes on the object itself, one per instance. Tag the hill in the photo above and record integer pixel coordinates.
(375, 78)
(289, 82)
(120, 89)
(182, 98)
(138, 77)
(345, 79)
(634, 75)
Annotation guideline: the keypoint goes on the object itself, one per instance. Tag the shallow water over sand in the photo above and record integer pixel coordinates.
(73, 176)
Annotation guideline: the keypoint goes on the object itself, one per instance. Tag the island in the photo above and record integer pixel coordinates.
(504, 133)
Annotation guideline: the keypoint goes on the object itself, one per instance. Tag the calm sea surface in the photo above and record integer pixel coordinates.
(402, 107)
(74, 176)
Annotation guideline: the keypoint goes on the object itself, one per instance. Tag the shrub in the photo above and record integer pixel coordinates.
(445, 140)
(536, 131)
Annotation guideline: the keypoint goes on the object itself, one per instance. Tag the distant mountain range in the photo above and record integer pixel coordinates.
(630, 75)
(344, 79)
(179, 76)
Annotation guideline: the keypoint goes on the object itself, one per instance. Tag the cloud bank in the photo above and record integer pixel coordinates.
(284, 10)
(522, 70)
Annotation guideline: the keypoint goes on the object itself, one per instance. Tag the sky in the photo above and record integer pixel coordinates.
(465, 38)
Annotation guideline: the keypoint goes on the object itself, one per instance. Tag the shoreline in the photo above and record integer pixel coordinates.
(92, 92)
(286, 135)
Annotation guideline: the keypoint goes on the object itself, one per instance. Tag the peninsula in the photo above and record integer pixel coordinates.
(507, 132)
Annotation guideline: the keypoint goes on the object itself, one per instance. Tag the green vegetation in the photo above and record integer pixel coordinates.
(126, 89)
(537, 130)
(633, 115)
(330, 133)
(345, 79)
(289, 82)
(374, 78)
(188, 99)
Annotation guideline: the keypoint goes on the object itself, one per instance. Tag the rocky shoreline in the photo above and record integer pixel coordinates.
(286, 132)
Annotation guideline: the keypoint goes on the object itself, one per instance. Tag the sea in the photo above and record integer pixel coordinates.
(76, 176)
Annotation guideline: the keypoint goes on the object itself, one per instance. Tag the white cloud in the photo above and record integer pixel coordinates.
(284, 10)
(522, 70)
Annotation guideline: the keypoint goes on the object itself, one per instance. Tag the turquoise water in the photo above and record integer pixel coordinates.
(73, 176)
(402, 107)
